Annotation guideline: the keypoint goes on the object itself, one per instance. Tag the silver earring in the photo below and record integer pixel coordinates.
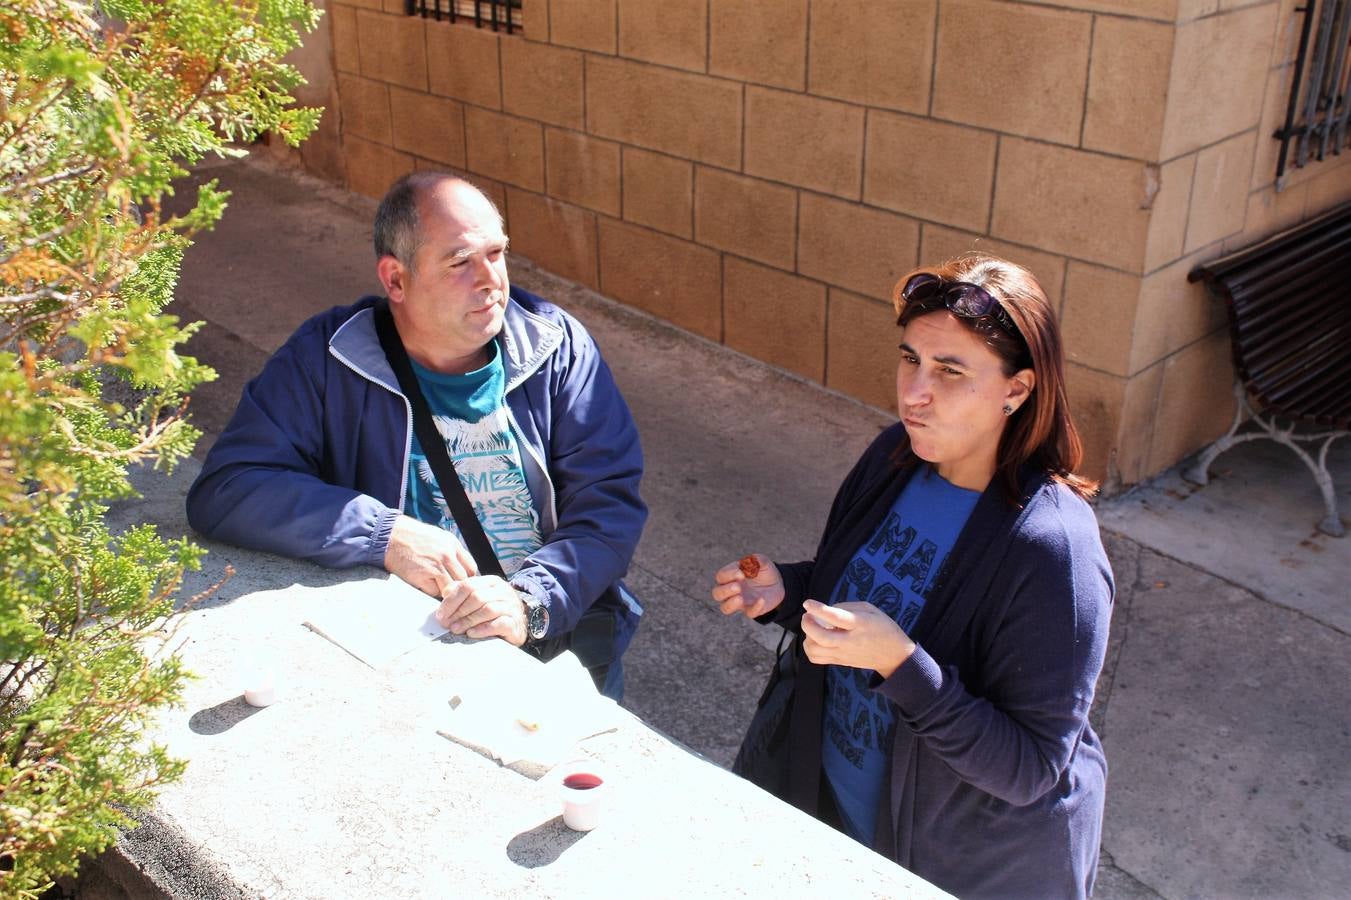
(1008, 409)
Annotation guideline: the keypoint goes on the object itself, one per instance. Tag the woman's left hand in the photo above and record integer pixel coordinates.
(854, 634)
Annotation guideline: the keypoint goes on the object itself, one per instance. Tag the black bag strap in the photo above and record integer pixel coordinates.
(434, 446)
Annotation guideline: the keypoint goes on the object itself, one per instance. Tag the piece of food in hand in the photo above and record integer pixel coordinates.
(749, 565)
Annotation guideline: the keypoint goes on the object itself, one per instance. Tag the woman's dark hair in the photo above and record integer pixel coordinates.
(1040, 433)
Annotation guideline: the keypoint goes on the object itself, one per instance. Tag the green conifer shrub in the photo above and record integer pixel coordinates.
(101, 107)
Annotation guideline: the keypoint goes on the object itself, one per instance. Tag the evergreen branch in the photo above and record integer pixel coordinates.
(21, 745)
(45, 238)
(12, 695)
(46, 292)
(66, 311)
(44, 181)
(34, 115)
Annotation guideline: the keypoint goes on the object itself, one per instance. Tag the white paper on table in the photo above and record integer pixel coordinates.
(502, 688)
(377, 619)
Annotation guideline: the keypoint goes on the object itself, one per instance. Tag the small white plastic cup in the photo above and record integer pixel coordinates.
(260, 684)
(584, 791)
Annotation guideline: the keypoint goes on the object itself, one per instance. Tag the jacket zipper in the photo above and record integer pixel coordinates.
(408, 418)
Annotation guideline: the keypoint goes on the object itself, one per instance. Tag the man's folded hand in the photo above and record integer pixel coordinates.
(429, 558)
(484, 606)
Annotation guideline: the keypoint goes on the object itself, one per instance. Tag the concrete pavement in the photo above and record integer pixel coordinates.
(1226, 703)
(1226, 710)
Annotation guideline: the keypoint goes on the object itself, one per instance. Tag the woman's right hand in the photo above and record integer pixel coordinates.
(736, 593)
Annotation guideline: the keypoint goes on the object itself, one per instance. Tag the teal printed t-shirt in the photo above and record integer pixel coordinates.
(470, 413)
(894, 571)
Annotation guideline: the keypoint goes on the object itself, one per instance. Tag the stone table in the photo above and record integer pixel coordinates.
(344, 788)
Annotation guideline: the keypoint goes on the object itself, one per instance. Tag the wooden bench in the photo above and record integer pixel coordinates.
(1289, 303)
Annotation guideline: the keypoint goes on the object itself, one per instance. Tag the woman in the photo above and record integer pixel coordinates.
(954, 621)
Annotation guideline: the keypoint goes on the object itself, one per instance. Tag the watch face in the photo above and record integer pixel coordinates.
(537, 621)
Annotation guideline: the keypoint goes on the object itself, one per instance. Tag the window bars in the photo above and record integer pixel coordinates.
(494, 14)
(1316, 117)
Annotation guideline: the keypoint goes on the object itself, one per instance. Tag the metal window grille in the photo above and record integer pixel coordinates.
(1316, 117)
(494, 14)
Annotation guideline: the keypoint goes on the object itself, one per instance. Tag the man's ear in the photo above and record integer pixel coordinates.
(393, 276)
(1020, 387)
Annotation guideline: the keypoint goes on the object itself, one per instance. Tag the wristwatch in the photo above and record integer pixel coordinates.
(536, 618)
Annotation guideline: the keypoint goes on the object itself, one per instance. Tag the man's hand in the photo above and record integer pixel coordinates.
(854, 634)
(484, 606)
(755, 596)
(431, 559)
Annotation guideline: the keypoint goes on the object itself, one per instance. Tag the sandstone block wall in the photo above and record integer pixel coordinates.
(761, 172)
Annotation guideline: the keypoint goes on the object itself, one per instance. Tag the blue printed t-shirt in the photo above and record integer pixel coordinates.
(470, 412)
(893, 571)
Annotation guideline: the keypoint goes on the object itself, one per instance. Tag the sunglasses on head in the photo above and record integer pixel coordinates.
(961, 298)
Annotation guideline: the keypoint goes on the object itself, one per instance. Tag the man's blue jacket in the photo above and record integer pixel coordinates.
(314, 462)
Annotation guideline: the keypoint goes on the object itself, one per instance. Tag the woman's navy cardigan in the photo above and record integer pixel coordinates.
(997, 779)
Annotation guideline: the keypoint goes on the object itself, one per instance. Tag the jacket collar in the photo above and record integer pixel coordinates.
(527, 339)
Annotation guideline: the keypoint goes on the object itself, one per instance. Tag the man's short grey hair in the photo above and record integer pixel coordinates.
(396, 221)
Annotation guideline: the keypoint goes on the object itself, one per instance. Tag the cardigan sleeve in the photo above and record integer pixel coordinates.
(1040, 664)
(796, 576)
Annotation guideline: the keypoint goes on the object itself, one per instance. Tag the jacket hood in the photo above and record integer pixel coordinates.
(527, 338)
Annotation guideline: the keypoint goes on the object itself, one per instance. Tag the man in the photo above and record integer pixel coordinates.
(320, 461)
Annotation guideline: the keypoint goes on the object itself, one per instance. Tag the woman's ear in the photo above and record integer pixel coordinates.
(1021, 384)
